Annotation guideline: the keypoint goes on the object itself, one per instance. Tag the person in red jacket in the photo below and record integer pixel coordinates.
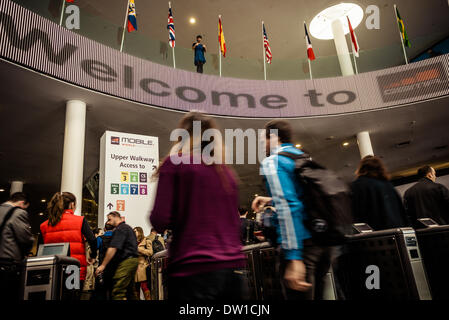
(64, 226)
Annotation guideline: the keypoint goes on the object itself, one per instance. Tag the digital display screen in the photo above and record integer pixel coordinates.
(362, 227)
(52, 250)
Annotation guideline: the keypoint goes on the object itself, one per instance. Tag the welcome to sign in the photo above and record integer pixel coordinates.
(37, 43)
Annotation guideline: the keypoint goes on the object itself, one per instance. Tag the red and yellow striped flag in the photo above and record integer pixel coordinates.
(221, 38)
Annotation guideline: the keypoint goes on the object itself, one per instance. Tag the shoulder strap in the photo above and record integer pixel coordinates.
(7, 217)
(304, 156)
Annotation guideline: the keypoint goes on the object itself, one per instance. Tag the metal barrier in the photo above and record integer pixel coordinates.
(434, 246)
(395, 255)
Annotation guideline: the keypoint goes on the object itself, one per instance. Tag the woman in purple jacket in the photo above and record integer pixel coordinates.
(197, 198)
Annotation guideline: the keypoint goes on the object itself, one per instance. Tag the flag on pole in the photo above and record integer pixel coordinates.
(171, 28)
(310, 53)
(355, 43)
(402, 29)
(221, 38)
(132, 21)
(71, 1)
(266, 45)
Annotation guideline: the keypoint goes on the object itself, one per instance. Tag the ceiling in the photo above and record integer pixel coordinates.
(427, 20)
(33, 114)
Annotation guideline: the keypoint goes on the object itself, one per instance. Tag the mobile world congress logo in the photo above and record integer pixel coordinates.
(413, 83)
(115, 140)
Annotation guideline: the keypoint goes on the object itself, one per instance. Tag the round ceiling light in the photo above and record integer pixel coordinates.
(192, 20)
(320, 27)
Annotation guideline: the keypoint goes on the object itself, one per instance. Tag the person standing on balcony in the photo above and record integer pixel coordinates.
(199, 50)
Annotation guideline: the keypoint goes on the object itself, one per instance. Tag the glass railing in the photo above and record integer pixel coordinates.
(140, 45)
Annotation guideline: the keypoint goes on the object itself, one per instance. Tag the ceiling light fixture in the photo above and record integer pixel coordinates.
(298, 146)
(43, 200)
(2, 190)
(192, 20)
(320, 27)
(345, 144)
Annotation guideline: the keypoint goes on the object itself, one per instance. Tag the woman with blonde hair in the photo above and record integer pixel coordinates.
(145, 252)
(64, 226)
(197, 198)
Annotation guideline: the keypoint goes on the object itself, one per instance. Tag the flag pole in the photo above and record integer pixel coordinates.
(124, 28)
(355, 63)
(310, 69)
(219, 47)
(310, 65)
(263, 56)
(62, 12)
(173, 48)
(400, 35)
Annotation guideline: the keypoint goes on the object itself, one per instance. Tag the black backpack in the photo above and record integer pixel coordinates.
(326, 200)
(157, 245)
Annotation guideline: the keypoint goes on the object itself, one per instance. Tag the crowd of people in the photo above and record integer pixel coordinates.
(198, 202)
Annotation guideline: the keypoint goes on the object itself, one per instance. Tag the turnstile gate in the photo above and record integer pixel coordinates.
(390, 257)
(434, 247)
(46, 278)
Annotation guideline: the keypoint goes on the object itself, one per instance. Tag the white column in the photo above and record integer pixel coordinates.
(364, 142)
(16, 186)
(342, 48)
(73, 157)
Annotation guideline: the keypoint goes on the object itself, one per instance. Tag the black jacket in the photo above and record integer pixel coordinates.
(377, 203)
(427, 199)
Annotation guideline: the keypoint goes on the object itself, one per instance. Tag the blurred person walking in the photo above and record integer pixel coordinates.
(123, 249)
(16, 241)
(375, 201)
(427, 199)
(64, 226)
(303, 262)
(198, 200)
(145, 252)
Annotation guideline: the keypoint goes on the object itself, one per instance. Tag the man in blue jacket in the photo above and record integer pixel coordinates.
(303, 264)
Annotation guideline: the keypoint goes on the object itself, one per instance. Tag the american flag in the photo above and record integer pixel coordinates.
(266, 45)
(171, 28)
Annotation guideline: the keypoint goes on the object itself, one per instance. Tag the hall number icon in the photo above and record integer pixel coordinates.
(120, 205)
(125, 177)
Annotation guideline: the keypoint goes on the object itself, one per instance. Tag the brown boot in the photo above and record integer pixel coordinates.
(147, 295)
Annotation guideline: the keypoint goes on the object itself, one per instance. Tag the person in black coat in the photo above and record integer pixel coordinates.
(427, 199)
(375, 201)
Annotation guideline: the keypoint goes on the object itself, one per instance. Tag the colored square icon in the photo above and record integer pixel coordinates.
(134, 188)
(120, 205)
(143, 177)
(143, 189)
(134, 176)
(115, 188)
(125, 176)
(124, 189)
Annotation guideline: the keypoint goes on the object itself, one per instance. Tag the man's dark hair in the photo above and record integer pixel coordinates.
(18, 196)
(199, 36)
(114, 214)
(153, 230)
(108, 227)
(96, 231)
(242, 210)
(284, 130)
(423, 171)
